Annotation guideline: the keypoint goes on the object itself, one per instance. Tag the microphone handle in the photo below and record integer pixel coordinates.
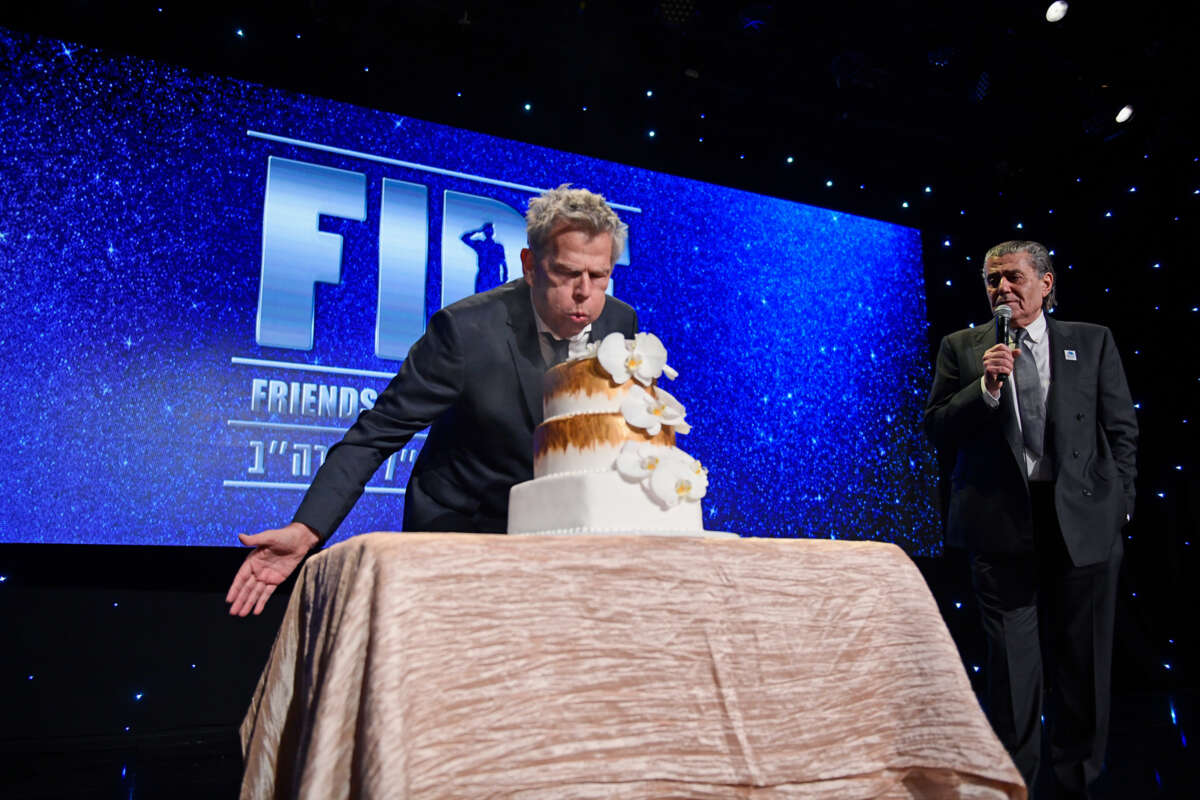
(1002, 338)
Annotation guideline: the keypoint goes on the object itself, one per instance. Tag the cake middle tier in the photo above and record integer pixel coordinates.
(587, 443)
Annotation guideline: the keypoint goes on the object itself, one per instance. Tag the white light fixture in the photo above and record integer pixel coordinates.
(1124, 114)
(1056, 11)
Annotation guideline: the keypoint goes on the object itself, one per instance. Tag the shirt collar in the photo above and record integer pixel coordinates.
(1037, 328)
(542, 327)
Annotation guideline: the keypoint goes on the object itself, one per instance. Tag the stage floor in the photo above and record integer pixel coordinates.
(1147, 758)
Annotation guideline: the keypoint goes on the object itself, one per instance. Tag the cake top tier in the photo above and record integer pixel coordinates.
(642, 358)
(616, 375)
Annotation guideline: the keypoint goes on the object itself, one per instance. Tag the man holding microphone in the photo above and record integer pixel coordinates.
(1042, 434)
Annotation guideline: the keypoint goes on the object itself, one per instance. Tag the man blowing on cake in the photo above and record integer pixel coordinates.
(1043, 438)
(476, 378)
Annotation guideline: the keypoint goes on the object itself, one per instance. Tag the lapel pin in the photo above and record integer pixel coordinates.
(1070, 355)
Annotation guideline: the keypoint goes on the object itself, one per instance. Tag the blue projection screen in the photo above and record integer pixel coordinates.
(206, 280)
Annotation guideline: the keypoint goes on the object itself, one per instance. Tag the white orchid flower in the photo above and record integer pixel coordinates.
(648, 358)
(675, 412)
(641, 410)
(698, 480)
(612, 355)
(638, 410)
(643, 359)
(637, 460)
(675, 481)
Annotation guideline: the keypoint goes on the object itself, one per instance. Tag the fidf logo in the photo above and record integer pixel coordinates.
(480, 248)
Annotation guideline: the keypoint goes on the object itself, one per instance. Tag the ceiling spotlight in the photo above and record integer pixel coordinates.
(1056, 11)
(1124, 114)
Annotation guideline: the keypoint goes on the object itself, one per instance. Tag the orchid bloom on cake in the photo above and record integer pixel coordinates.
(669, 475)
(642, 410)
(637, 460)
(699, 474)
(676, 410)
(644, 358)
(677, 479)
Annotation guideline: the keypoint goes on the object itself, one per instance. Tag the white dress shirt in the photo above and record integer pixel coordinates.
(1039, 347)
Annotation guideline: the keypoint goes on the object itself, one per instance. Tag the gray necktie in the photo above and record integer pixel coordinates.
(560, 348)
(1029, 396)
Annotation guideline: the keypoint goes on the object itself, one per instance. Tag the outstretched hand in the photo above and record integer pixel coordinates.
(275, 555)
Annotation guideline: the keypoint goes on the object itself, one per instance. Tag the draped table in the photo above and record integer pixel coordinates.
(469, 665)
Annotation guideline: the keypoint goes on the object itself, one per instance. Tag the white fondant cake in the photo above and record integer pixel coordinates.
(604, 459)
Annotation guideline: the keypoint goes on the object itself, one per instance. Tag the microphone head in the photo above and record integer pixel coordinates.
(1004, 312)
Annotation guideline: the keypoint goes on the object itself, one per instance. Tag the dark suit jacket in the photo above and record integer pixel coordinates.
(476, 377)
(1091, 428)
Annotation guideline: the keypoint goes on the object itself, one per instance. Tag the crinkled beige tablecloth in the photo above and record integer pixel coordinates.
(459, 665)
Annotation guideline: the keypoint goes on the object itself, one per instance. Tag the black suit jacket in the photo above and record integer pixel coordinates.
(476, 377)
(1091, 427)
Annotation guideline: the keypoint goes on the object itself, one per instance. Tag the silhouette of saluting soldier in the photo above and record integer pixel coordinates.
(493, 270)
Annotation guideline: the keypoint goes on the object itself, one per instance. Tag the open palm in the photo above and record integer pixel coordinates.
(275, 556)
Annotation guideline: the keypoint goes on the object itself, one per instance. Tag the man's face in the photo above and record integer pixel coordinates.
(569, 282)
(1013, 280)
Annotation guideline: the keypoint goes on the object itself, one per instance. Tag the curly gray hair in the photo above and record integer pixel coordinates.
(1041, 260)
(580, 210)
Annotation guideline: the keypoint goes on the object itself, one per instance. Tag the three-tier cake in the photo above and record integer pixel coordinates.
(604, 458)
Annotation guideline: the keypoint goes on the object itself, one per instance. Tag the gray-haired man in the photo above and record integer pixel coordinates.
(475, 377)
(1043, 438)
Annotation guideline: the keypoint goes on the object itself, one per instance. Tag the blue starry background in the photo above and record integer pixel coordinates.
(130, 248)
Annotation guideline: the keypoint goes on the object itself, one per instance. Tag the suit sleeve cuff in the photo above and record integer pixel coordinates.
(992, 401)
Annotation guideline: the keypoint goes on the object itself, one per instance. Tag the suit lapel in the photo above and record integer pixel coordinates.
(984, 339)
(525, 351)
(1060, 341)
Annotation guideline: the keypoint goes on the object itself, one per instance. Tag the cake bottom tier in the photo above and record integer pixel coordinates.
(596, 503)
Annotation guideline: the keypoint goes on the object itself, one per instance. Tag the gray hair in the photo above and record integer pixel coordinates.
(581, 210)
(1041, 260)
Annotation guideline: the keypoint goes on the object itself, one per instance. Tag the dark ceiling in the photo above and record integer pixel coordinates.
(896, 95)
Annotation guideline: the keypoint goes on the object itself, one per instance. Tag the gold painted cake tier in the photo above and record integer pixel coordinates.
(593, 430)
(585, 376)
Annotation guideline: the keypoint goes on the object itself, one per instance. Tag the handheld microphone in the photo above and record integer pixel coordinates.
(1003, 316)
